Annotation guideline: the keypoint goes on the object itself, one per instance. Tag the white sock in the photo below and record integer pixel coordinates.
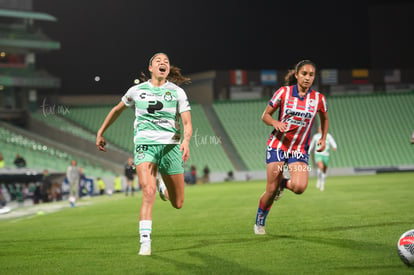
(145, 229)
(319, 174)
(323, 181)
(323, 177)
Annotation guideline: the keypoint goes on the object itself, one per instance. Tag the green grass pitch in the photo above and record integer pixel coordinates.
(350, 228)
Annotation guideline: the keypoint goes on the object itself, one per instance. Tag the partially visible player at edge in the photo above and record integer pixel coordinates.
(159, 104)
(322, 158)
(288, 144)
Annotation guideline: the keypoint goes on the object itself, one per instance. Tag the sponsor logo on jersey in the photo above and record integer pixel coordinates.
(159, 121)
(298, 113)
(297, 122)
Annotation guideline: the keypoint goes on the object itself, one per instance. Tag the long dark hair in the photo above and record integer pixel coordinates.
(290, 78)
(174, 76)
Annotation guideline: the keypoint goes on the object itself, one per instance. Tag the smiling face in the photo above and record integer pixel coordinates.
(160, 66)
(305, 76)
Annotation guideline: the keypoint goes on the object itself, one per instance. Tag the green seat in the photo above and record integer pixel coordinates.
(247, 132)
(372, 130)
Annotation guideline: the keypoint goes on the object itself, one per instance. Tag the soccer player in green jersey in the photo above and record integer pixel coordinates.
(159, 104)
(322, 157)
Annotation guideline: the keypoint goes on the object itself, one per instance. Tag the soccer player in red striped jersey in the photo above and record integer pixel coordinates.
(297, 104)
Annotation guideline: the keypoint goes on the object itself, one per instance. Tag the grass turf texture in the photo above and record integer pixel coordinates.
(351, 228)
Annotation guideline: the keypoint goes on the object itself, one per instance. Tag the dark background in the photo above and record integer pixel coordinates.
(115, 39)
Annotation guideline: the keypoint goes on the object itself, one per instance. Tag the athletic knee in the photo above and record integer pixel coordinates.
(298, 191)
(149, 191)
(298, 187)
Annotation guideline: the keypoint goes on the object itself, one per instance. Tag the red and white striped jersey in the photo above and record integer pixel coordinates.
(298, 113)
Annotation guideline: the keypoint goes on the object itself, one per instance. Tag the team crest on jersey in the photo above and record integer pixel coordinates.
(168, 96)
(312, 102)
(141, 155)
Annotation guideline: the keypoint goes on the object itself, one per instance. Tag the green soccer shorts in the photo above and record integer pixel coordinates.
(168, 157)
(324, 159)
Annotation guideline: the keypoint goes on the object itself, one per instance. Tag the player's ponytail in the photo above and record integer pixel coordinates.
(290, 78)
(176, 76)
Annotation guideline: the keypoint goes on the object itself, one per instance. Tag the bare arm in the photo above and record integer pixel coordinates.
(110, 118)
(188, 133)
(269, 120)
(324, 127)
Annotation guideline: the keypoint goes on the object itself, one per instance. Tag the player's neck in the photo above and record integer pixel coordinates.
(157, 82)
(302, 91)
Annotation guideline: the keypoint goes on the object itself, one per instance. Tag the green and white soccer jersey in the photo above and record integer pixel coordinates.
(330, 143)
(157, 112)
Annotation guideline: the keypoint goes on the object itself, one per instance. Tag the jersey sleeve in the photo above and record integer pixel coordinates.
(277, 97)
(322, 105)
(332, 142)
(183, 104)
(127, 98)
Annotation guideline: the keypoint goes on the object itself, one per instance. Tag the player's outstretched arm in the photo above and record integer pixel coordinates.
(110, 118)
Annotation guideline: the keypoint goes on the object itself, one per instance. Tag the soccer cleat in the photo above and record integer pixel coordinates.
(145, 249)
(322, 187)
(72, 201)
(280, 189)
(161, 189)
(279, 192)
(259, 230)
(318, 184)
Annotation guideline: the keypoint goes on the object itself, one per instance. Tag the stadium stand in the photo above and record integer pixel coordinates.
(242, 121)
(91, 118)
(65, 125)
(371, 130)
(41, 156)
(206, 147)
(58, 128)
